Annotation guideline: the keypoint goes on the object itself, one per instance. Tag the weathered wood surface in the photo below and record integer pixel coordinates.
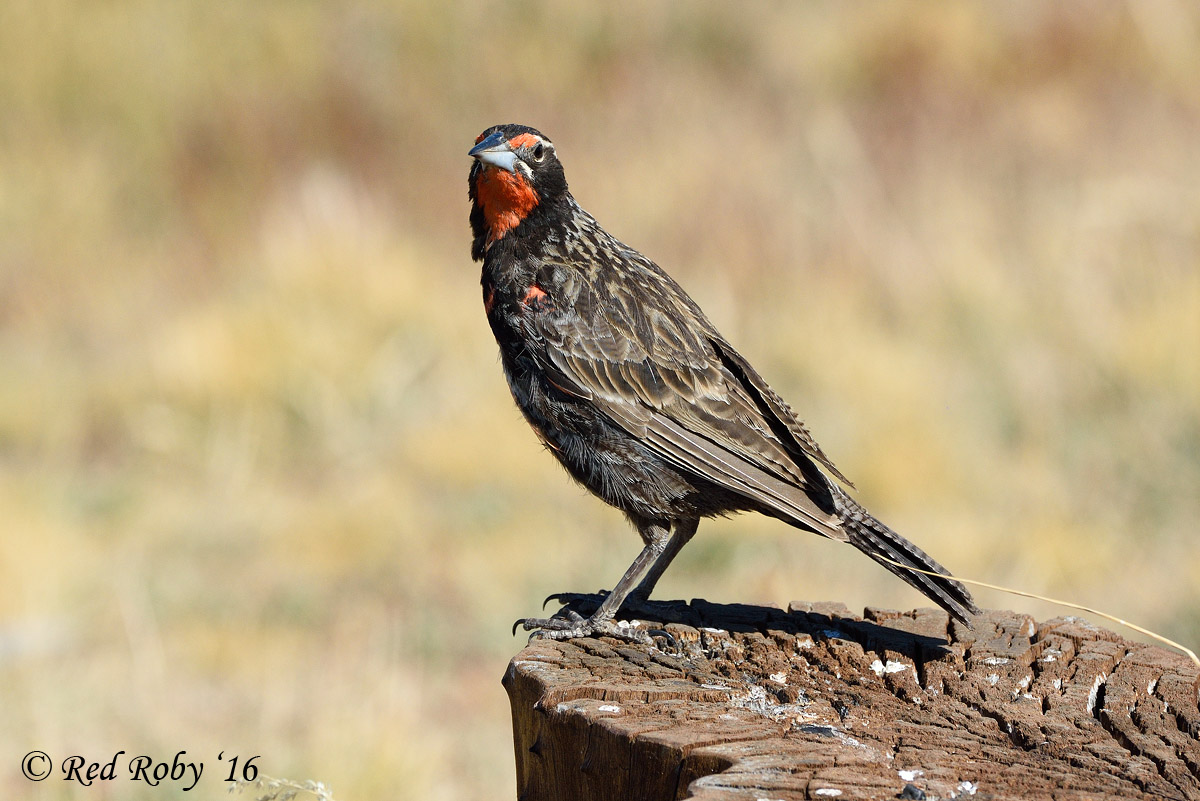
(815, 703)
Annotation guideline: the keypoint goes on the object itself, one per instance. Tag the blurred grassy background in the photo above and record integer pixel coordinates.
(261, 483)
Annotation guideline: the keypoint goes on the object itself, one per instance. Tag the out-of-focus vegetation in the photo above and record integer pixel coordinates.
(262, 488)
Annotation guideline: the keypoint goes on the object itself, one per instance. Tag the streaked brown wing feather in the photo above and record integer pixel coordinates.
(778, 407)
(666, 384)
(685, 448)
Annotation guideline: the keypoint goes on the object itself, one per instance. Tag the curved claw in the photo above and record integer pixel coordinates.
(530, 624)
(666, 635)
(565, 598)
(570, 619)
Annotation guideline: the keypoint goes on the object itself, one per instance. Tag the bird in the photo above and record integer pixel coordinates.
(637, 394)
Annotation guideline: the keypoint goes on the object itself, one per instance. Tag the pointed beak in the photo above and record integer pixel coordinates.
(495, 152)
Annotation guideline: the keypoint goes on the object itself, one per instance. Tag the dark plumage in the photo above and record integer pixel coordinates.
(636, 393)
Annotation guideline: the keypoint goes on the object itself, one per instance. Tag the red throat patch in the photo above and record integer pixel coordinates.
(506, 198)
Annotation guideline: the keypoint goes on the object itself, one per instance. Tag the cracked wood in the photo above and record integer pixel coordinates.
(755, 702)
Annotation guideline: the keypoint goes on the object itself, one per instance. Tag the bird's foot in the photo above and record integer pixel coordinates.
(586, 603)
(635, 604)
(573, 625)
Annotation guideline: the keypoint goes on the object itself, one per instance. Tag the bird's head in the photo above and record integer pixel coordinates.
(516, 176)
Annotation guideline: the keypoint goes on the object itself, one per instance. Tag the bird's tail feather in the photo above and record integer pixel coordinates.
(879, 542)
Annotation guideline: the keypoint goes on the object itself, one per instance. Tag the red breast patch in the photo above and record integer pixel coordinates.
(533, 294)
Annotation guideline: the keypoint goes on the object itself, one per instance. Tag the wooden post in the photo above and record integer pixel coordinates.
(815, 703)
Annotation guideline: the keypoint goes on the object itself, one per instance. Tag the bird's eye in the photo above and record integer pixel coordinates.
(539, 152)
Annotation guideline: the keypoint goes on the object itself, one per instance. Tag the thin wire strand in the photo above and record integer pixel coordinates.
(1190, 653)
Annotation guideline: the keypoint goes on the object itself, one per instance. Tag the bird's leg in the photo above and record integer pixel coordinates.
(681, 532)
(657, 538)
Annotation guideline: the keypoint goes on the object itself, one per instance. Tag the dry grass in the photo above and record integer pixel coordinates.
(262, 486)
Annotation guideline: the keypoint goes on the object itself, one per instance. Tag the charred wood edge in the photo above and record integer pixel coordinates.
(754, 702)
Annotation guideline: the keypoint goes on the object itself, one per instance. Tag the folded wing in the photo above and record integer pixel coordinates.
(659, 370)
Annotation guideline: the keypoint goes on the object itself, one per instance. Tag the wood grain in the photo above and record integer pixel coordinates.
(755, 702)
